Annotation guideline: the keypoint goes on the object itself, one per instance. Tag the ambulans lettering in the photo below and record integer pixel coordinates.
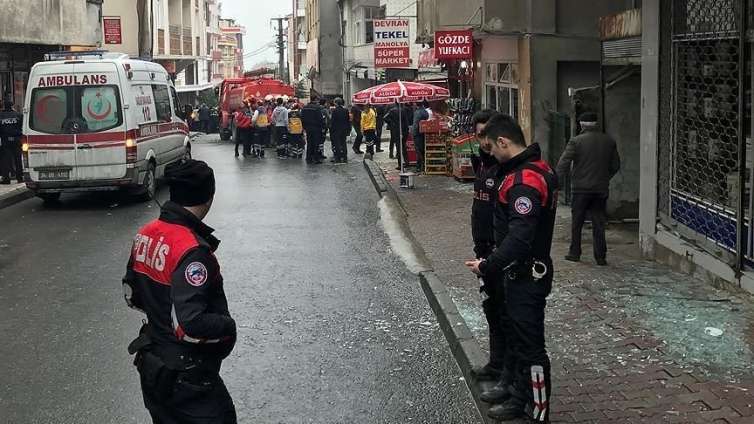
(63, 80)
(150, 253)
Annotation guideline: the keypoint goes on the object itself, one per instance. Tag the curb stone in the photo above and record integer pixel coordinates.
(464, 347)
(14, 196)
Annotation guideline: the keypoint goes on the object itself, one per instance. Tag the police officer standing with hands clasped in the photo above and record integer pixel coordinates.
(521, 265)
(174, 277)
(10, 143)
(486, 169)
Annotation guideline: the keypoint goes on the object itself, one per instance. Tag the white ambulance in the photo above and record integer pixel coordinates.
(100, 121)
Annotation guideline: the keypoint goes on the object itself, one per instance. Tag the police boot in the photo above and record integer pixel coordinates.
(486, 373)
(498, 393)
(512, 409)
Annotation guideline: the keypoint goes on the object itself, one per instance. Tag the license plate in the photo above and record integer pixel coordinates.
(55, 174)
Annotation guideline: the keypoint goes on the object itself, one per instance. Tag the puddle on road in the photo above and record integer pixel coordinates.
(400, 245)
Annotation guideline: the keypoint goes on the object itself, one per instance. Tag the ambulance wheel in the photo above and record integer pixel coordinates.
(224, 134)
(149, 187)
(49, 198)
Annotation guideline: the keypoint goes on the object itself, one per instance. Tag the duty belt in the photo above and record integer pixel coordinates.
(516, 269)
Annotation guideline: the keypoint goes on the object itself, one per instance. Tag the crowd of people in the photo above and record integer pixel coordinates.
(297, 131)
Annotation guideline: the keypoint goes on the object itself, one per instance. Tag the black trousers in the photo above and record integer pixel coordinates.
(498, 322)
(10, 161)
(404, 151)
(244, 137)
(359, 138)
(371, 138)
(526, 300)
(340, 149)
(380, 126)
(281, 140)
(419, 146)
(395, 139)
(595, 204)
(205, 402)
(313, 141)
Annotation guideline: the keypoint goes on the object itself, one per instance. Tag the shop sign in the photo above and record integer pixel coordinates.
(454, 45)
(112, 30)
(391, 43)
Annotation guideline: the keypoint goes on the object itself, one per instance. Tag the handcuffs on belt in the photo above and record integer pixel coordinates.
(538, 270)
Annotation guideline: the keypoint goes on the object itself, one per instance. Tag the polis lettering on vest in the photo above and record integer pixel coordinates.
(151, 257)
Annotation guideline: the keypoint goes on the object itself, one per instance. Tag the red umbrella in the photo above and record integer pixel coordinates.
(400, 92)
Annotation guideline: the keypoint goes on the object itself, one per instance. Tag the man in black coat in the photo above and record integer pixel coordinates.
(356, 122)
(10, 143)
(381, 112)
(314, 124)
(595, 160)
(340, 127)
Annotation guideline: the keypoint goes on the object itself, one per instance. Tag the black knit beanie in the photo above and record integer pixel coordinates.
(191, 182)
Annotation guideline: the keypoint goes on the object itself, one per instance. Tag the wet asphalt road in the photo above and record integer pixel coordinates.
(332, 326)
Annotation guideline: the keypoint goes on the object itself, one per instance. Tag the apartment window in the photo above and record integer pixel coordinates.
(370, 14)
(159, 13)
(501, 88)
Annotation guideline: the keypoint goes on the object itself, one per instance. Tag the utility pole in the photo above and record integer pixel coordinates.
(281, 51)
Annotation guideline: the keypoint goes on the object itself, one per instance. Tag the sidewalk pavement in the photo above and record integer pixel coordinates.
(13, 193)
(633, 342)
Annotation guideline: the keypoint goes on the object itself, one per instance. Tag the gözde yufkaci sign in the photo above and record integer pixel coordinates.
(454, 45)
(391, 45)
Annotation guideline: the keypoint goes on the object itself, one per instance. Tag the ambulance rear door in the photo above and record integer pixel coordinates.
(101, 139)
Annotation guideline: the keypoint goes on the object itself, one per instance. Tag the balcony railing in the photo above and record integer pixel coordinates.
(217, 55)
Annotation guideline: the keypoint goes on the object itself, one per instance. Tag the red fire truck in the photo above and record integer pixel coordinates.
(253, 85)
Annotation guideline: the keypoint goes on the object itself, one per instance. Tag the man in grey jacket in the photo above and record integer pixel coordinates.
(595, 160)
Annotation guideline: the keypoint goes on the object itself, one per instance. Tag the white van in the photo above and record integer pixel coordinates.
(98, 121)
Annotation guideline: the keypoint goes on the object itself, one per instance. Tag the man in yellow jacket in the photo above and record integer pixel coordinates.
(369, 127)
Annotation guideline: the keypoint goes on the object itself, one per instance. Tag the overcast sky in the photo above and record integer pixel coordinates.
(255, 15)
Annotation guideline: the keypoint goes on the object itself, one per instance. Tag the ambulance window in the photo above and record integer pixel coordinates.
(162, 102)
(144, 100)
(100, 107)
(49, 109)
(176, 102)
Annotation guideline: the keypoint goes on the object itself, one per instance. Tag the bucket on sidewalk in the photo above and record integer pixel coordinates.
(407, 179)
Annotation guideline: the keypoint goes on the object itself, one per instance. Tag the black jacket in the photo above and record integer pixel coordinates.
(174, 277)
(312, 117)
(339, 122)
(393, 118)
(420, 114)
(486, 169)
(595, 160)
(356, 117)
(10, 126)
(524, 213)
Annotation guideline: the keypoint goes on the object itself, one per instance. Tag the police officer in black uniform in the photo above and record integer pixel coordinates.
(10, 143)
(174, 277)
(524, 222)
(486, 169)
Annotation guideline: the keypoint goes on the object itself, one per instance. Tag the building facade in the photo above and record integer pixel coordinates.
(31, 28)
(696, 131)
(324, 48)
(297, 43)
(528, 57)
(230, 46)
